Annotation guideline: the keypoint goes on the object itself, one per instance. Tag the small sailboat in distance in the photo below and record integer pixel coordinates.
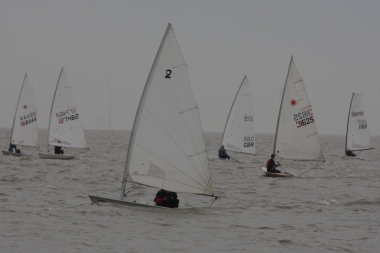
(296, 133)
(166, 148)
(357, 134)
(239, 131)
(24, 128)
(65, 128)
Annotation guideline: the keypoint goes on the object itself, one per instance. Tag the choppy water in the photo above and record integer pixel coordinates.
(44, 205)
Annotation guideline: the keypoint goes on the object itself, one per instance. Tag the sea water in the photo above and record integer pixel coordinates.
(44, 205)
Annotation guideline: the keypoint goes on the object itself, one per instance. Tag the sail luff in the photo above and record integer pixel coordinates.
(139, 111)
(279, 113)
(51, 110)
(348, 122)
(18, 101)
(232, 106)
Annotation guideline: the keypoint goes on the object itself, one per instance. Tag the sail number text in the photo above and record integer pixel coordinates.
(65, 116)
(303, 118)
(28, 118)
(68, 118)
(249, 142)
(362, 123)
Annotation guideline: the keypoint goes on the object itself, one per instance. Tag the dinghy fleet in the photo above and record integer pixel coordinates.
(166, 147)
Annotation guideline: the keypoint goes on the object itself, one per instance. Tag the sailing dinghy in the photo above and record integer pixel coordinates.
(24, 129)
(65, 128)
(357, 134)
(296, 133)
(166, 148)
(239, 132)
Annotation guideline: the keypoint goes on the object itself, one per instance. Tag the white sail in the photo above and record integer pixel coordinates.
(65, 122)
(239, 132)
(296, 134)
(358, 137)
(25, 128)
(166, 148)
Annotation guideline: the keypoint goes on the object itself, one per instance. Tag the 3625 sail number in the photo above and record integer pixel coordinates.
(304, 118)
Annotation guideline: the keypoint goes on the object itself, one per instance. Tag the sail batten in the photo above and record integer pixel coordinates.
(239, 132)
(296, 134)
(166, 148)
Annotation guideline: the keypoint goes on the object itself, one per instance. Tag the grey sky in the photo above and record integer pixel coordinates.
(335, 45)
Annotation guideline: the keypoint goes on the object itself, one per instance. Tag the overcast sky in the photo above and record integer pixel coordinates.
(335, 45)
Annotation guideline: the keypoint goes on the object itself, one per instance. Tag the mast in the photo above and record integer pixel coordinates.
(18, 101)
(139, 111)
(51, 109)
(348, 121)
(237, 93)
(279, 113)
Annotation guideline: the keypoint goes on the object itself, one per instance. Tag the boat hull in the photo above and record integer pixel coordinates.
(282, 174)
(96, 199)
(11, 153)
(55, 156)
(224, 159)
(352, 158)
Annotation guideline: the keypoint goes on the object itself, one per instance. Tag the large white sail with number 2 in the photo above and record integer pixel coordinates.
(65, 125)
(166, 148)
(296, 134)
(25, 129)
(239, 132)
(357, 137)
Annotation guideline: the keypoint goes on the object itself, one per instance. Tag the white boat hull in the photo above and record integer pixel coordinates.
(55, 156)
(282, 174)
(352, 158)
(11, 153)
(96, 199)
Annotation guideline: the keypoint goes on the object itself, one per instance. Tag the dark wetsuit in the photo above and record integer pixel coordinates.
(223, 154)
(58, 150)
(13, 149)
(166, 199)
(350, 153)
(271, 166)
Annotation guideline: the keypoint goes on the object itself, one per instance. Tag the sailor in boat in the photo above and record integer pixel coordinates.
(350, 153)
(166, 199)
(58, 150)
(13, 148)
(271, 165)
(223, 153)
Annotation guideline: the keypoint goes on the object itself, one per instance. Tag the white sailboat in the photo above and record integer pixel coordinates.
(357, 134)
(65, 128)
(166, 148)
(239, 131)
(296, 133)
(25, 128)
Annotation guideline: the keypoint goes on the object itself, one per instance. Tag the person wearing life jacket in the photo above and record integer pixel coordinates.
(271, 165)
(166, 199)
(223, 153)
(350, 153)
